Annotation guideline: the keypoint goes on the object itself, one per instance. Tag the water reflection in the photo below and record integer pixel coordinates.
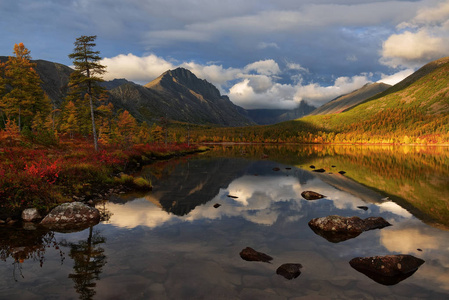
(173, 243)
(89, 259)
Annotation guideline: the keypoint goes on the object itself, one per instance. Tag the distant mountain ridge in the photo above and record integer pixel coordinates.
(179, 95)
(352, 99)
(273, 116)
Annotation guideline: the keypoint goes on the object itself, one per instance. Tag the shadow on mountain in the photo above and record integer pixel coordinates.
(194, 182)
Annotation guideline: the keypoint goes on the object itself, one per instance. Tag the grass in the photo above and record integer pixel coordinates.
(42, 177)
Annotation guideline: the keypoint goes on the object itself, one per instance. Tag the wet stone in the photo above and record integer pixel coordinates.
(249, 254)
(289, 271)
(310, 195)
(389, 269)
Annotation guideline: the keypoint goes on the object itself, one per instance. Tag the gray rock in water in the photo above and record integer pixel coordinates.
(289, 271)
(249, 254)
(71, 216)
(389, 269)
(30, 215)
(337, 229)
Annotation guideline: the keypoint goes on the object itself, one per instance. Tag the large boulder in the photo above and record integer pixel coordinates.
(337, 229)
(250, 254)
(71, 216)
(389, 269)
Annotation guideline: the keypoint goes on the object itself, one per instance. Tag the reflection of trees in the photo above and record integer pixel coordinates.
(22, 245)
(89, 260)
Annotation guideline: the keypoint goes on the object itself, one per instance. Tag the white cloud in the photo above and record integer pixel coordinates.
(134, 68)
(420, 40)
(395, 78)
(263, 67)
(263, 45)
(317, 95)
(277, 96)
(256, 85)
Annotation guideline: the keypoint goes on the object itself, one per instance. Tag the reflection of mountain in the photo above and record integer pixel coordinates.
(415, 178)
(195, 182)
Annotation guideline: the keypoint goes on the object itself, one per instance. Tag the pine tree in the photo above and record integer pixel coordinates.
(126, 125)
(25, 98)
(84, 81)
(69, 123)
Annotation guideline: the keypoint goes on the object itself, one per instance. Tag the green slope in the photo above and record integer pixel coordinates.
(414, 109)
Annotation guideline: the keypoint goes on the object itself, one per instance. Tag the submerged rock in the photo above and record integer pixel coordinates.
(217, 205)
(337, 229)
(71, 216)
(389, 269)
(363, 207)
(250, 254)
(289, 271)
(310, 195)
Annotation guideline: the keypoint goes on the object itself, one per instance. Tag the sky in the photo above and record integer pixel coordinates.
(261, 53)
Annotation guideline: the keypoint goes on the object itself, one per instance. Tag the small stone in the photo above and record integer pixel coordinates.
(342, 172)
(276, 169)
(312, 167)
(319, 170)
(249, 254)
(289, 271)
(310, 195)
(363, 207)
(30, 215)
(217, 205)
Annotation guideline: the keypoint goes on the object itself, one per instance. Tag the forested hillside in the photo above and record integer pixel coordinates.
(416, 110)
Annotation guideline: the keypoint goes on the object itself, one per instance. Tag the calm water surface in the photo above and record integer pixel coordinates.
(173, 244)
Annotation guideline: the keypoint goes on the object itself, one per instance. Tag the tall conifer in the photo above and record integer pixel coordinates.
(25, 98)
(84, 81)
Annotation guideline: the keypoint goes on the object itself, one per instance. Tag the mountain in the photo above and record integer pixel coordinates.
(55, 78)
(352, 99)
(179, 95)
(273, 116)
(415, 109)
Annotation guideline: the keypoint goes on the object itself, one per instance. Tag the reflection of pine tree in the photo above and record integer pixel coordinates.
(89, 260)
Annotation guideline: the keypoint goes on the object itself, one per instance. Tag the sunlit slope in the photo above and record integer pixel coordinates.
(415, 178)
(417, 106)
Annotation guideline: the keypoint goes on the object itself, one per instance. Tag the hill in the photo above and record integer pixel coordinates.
(352, 99)
(179, 95)
(416, 110)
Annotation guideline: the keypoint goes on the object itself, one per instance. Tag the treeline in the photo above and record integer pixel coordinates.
(26, 112)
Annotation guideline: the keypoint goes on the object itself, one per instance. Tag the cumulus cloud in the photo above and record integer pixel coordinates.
(134, 68)
(420, 40)
(253, 86)
(396, 77)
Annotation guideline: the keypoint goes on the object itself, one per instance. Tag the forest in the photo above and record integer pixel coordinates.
(50, 153)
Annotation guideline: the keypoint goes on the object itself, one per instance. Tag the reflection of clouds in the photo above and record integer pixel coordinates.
(257, 201)
(274, 187)
(390, 206)
(137, 212)
(409, 236)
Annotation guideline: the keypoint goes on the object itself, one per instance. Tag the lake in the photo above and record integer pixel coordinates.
(182, 240)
